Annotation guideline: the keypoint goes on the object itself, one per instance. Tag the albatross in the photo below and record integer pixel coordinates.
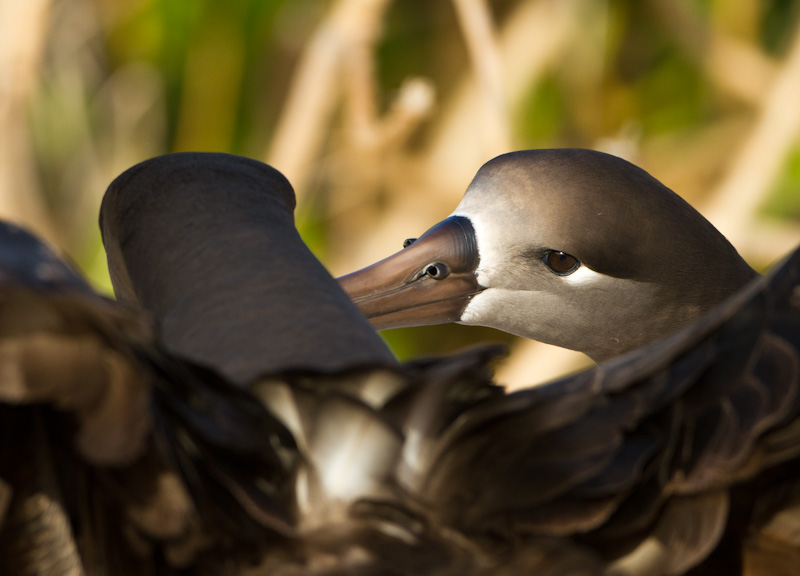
(571, 247)
(136, 439)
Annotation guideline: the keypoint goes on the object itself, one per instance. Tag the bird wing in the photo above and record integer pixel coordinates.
(639, 458)
(116, 458)
(644, 465)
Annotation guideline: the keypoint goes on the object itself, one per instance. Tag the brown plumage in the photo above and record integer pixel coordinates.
(118, 457)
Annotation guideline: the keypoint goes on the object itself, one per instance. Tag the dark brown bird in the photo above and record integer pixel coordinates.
(207, 444)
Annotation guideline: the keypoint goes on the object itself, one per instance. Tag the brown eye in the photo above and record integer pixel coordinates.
(560, 262)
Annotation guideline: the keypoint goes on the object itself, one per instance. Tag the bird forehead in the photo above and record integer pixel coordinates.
(599, 211)
(508, 228)
(578, 180)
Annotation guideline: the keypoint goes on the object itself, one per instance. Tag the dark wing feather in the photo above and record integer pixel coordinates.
(644, 447)
(114, 457)
(237, 459)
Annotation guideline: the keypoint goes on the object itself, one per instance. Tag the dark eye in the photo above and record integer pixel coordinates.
(560, 262)
(437, 271)
(408, 242)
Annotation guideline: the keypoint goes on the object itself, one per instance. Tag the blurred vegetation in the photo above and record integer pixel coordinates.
(379, 112)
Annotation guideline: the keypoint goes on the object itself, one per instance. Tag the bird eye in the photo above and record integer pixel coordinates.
(408, 242)
(437, 271)
(560, 262)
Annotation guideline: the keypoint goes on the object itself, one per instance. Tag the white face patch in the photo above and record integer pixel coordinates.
(486, 306)
(490, 247)
(583, 275)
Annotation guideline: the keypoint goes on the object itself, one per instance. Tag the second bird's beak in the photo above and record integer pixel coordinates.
(430, 281)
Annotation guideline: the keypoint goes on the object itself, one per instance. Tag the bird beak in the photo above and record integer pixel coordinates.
(430, 281)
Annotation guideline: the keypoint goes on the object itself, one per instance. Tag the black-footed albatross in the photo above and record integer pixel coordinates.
(574, 248)
(659, 462)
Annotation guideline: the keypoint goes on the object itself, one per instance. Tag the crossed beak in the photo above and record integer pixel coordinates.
(430, 281)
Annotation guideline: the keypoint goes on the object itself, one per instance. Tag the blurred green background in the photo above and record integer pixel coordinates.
(381, 111)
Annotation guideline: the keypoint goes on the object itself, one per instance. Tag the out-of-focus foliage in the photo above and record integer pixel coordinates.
(380, 111)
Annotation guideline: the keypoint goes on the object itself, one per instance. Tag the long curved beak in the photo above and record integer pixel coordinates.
(430, 281)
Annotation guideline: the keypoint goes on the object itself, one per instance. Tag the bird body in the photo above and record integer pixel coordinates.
(160, 455)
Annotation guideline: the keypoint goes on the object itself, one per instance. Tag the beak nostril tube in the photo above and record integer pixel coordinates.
(437, 271)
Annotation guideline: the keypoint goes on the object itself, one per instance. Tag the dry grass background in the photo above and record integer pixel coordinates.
(381, 111)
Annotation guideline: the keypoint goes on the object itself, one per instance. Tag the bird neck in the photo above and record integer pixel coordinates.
(207, 244)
